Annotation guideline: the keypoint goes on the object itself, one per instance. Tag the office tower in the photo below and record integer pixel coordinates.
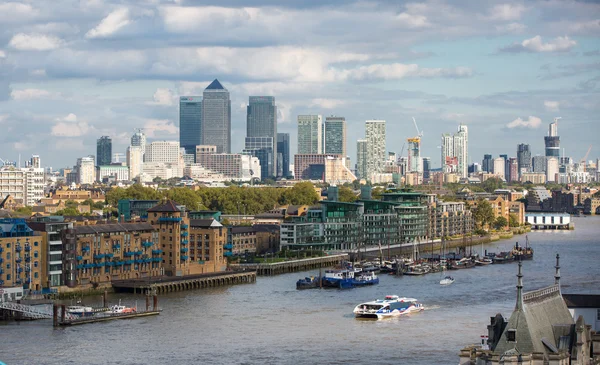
(551, 169)
(524, 157)
(261, 122)
(539, 163)
(361, 158)
(35, 162)
(310, 134)
(190, 123)
(163, 151)
(335, 135)
(499, 166)
(283, 155)
(455, 152)
(513, 168)
(134, 161)
(262, 148)
(474, 168)
(506, 167)
(104, 151)
(426, 167)
(552, 140)
(487, 164)
(216, 117)
(139, 139)
(375, 137)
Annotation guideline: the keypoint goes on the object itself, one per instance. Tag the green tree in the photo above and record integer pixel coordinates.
(303, 193)
(500, 223)
(347, 195)
(185, 196)
(68, 212)
(483, 213)
(377, 192)
(135, 191)
(24, 211)
(492, 184)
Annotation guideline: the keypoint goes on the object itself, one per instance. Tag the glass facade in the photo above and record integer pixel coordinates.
(262, 147)
(335, 135)
(261, 122)
(190, 123)
(216, 117)
(283, 155)
(310, 134)
(104, 151)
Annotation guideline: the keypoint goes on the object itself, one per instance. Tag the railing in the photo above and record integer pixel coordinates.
(184, 242)
(184, 249)
(169, 219)
(184, 257)
(184, 226)
(228, 246)
(156, 252)
(27, 310)
(147, 244)
(184, 234)
(99, 256)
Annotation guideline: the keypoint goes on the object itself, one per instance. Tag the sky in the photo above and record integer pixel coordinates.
(74, 70)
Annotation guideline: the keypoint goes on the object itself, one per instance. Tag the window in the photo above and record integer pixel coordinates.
(511, 335)
(35, 254)
(8, 245)
(35, 275)
(36, 243)
(35, 264)
(8, 277)
(8, 255)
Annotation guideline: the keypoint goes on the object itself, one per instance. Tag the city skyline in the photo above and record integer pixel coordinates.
(504, 70)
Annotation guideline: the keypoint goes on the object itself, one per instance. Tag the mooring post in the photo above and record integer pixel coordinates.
(147, 301)
(155, 302)
(104, 299)
(55, 315)
(63, 312)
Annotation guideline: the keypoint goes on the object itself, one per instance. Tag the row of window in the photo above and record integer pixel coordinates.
(35, 255)
(35, 244)
(35, 275)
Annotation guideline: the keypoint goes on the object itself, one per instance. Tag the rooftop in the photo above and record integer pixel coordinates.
(215, 85)
(166, 207)
(113, 227)
(205, 223)
(582, 300)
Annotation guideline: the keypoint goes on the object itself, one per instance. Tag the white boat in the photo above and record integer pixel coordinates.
(447, 280)
(120, 309)
(390, 306)
(80, 311)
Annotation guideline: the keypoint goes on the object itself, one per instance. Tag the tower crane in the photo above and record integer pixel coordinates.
(419, 134)
(582, 162)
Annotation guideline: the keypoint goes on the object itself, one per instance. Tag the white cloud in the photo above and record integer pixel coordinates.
(507, 12)
(413, 21)
(35, 42)
(111, 24)
(2, 54)
(511, 28)
(535, 44)
(38, 72)
(552, 106)
(163, 97)
(183, 19)
(15, 12)
(156, 127)
(400, 70)
(29, 94)
(327, 103)
(21, 146)
(532, 122)
(592, 26)
(70, 118)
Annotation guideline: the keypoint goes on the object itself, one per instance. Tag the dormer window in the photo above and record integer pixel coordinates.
(511, 335)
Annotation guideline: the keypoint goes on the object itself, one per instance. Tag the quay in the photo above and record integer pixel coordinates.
(170, 284)
(276, 268)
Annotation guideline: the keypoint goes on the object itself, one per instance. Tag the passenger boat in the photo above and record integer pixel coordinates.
(308, 282)
(390, 306)
(120, 309)
(365, 278)
(464, 263)
(80, 310)
(341, 279)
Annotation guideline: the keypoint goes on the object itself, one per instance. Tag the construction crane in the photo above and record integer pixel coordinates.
(582, 162)
(419, 134)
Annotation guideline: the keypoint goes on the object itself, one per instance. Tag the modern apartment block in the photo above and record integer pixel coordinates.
(139, 140)
(85, 170)
(335, 135)
(51, 228)
(22, 255)
(104, 151)
(190, 122)
(135, 161)
(25, 185)
(455, 148)
(216, 117)
(114, 172)
(361, 158)
(163, 151)
(232, 165)
(310, 134)
(524, 157)
(375, 147)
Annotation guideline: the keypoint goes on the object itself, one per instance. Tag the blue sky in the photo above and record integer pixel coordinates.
(74, 70)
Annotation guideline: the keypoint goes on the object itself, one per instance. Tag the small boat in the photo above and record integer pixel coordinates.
(341, 279)
(447, 280)
(503, 258)
(523, 253)
(365, 278)
(120, 309)
(80, 310)
(484, 261)
(390, 306)
(308, 282)
(465, 263)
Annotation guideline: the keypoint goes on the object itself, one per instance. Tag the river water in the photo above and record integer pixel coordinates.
(270, 322)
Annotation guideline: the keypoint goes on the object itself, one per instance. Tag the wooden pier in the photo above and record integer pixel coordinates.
(173, 283)
(268, 269)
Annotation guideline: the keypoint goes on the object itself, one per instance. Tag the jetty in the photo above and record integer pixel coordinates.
(168, 284)
(276, 268)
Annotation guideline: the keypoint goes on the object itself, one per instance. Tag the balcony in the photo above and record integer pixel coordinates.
(184, 249)
(184, 226)
(227, 253)
(109, 255)
(101, 264)
(27, 259)
(147, 260)
(138, 253)
(79, 258)
(20, 270)
(99, 256)
(157, 259)
(109, 263)
(85, 248)
(139, 261)
(27, 248)
(1, 260)
(156, 252)
(116, 246)
(184, 242)
(119, 263)
(79, 267)
(18, 260)
(228, 246)
(128, 262)
(184, 257)
(18, 248)
(184, 234)
(169, 219)
(147, 244)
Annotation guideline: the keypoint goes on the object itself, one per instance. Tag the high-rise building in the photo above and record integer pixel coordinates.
(25, 185)
(499, 166)
(487, 165)
(506, 167)
(134, 161)
(524, 157)
(551, 169)
(361, 159)
(310, 134)
(261, 122)
(35, 162)
(552, 140)
(455, 152)
(375, 137)
(104, 151)
(513, 169)
(335, 135)
(415, 164)
(163, 151)
(538, 163)
(216, 117)
(426, 167)
(86, 171)
(262, 148)
(283, 155)
(139, 139)
(190, 122)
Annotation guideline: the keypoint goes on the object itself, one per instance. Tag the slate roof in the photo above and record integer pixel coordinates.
(205, 223)
(582, 300)
(266, 228)
(215, 85)
(166, 207)
(241, 229)
(113, 227)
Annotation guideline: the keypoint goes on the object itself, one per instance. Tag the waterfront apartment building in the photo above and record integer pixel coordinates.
(335, 135)
(51, 229)
(130, 209)
(283, 155)
(310, 134)
(22, 255)
(216, 117)
(242, 240)
(375, 148)
(104, 151)
(25, 185)
(190, 122)
(450, 219)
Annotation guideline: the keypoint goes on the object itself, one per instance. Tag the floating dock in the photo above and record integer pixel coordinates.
(173, 283)
(268, 269)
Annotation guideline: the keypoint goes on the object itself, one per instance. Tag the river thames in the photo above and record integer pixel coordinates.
(270, 322)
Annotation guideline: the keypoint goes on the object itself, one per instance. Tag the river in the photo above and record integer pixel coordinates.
(270, 322)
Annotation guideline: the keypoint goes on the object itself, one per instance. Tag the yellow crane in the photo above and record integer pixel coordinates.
(582, 162)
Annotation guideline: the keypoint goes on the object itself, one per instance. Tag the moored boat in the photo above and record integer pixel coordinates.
(390, 306)
(341, 279)
(308, 282)
(80, 310)
(120, 309)
(366, 278)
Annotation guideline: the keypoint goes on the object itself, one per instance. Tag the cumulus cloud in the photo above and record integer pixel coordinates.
(157, 127)
(412, 21)
(535, 44)
(327, 103)
(111, 24)
(507, 12)
(70, 126)
(532, 123)
(35, 42)
(16, 12)
(592, 26)
(163, 97)
(29, 94)
(551, 106)
(400, 70)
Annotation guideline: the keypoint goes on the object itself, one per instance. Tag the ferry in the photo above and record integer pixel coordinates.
(390, 306)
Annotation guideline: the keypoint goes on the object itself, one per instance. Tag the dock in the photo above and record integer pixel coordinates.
(170, 284)
(276, 268)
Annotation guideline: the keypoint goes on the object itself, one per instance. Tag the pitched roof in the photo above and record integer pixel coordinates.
(582, 300)
(166, 207)
(266, 228)
(205, 223)
(241, 229)
(215, 85)
(113, 227)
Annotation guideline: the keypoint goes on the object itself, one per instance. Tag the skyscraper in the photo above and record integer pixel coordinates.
(455, 152)
(309, 134)
(283, 155)
(538, 163)
(361, 158)
(499, 167)
(134, 161)
(551, 169)
(552, 140)
(426, 167)
(216, 117)
(262, 148)
(524, 157)
(261, 122)
(139, 140)
(487, 165)
(375, 137)
(415, 164)
(335, 135)
(190, 123)
(104, 151)
(513, 166)
(506, 167)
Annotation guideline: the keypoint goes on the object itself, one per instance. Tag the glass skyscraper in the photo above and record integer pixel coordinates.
(104, 151)
(216, 117)
(524, 157)
(262, 147)
(261, 121)
(310, 134)
(335, 135)
(190, 123)
(283, 155)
